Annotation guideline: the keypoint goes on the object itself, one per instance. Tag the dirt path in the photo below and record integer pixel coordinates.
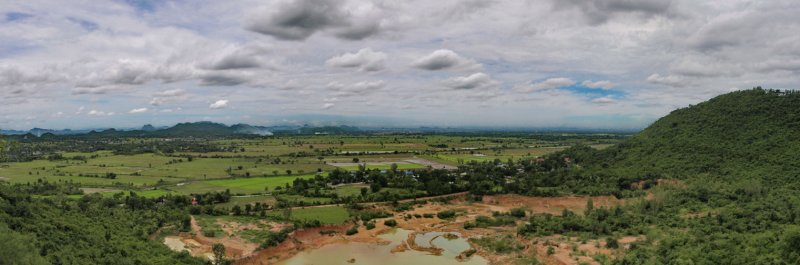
(431, 164)
(451, 195)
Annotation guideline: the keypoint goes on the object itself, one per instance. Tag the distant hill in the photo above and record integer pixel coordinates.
(751, 133)
(188, 129)
(328, 130)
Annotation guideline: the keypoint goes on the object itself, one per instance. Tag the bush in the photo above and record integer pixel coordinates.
(518, 212)
(366, 216)
(370, 225)
(468, 253)
(612, 243)
(352, 231)
(273, 238)
(390, 222)
(446, 214)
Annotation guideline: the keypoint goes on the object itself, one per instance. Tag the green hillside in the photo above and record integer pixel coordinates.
(745, 133)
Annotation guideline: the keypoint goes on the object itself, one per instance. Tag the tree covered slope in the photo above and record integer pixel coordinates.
(751, 133)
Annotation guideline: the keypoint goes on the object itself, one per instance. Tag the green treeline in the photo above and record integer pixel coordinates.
(91, 230)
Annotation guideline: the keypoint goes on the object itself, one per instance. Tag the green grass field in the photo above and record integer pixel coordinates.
(254, 185)
(384, 166)
(326, 215)
(258, 166)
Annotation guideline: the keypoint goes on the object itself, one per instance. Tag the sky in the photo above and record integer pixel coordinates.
(614, 64)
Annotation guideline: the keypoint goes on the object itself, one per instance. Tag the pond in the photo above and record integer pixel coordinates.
(370, 253)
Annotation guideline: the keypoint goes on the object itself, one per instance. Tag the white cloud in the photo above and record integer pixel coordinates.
(604, 84)
(669, 80)
(473, 81)
(99, 113)
(328, 105)
(139, 110)
(443, 59)
(182, 54)
(548, 84)
(299, 19)
(171, 92)
(604, 101)
(364, 60)
(219, 104)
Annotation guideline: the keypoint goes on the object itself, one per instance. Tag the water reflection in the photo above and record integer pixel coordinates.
(366, 253)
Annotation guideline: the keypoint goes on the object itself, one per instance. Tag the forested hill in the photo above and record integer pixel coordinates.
(750, 133)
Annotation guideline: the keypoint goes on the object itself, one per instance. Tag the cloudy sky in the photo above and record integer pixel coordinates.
(542, 63)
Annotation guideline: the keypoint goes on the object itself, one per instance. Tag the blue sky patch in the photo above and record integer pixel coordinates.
(594, 92)
(14, 16)
(142, 5)
(85, 24)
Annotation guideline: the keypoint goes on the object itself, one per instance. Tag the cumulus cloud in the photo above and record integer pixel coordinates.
(219, 104)
(99, 113)
(171, 92)
(249, 56)
(364, 60)
(53, 63)
(299, 19)
(473, 81)
(669, 80)
(603, 101)
(600, 11)
(139, 110)
(354, 89)
(547, 84)
(169, 95)
(603, 84)
(443, 59)
(222, 79)
(328, 105)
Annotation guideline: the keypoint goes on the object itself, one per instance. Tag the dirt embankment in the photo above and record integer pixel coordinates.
(551, 205)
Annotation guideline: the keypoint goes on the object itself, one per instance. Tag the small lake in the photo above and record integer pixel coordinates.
(369, 253)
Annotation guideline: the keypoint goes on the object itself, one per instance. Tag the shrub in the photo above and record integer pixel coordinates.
(612, 243)
(446, 214)
(352, 231)
(518, 212)
(390, 222)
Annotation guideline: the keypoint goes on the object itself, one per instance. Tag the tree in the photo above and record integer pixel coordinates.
(18, 249)
(589, 207)
(612, 243)
(791, 244)
(364, 191)
(219, 254)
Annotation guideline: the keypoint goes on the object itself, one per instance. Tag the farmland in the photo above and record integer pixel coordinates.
(250, 192)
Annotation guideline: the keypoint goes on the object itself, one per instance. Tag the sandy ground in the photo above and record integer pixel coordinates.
(200, 246)
(551, 205)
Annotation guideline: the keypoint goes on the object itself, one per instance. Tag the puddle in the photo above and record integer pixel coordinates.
(368, 253)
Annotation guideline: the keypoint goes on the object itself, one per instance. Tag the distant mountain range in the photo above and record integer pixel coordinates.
(194, 129)
(212, 129)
